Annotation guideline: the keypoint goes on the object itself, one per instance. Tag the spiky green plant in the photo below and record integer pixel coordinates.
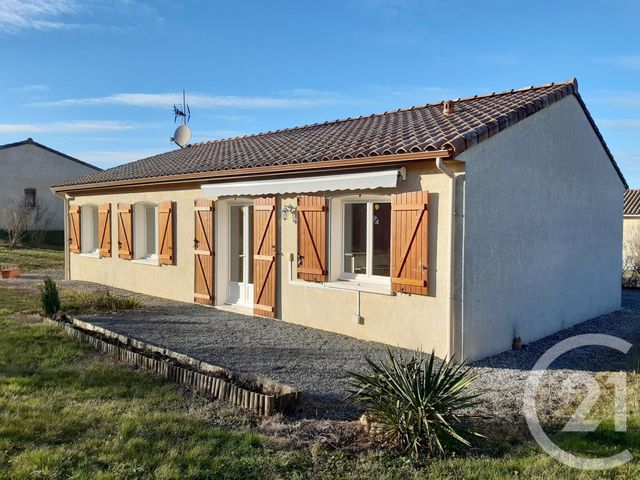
(416, 404)
(49, 297)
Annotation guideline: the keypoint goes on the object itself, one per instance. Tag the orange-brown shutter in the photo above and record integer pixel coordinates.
(104, 230)
(125, 230)
(203, 249)
(165, 229)
(74, 228)
(312, 238)
(264, 257)
(409, 242)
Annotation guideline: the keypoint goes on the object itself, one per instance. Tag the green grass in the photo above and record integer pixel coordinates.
(32, 259)
(13, 300)
(66, 412)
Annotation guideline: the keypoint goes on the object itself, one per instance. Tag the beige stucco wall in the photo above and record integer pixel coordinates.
(411, 321)
(167, 281)
(542, 230)
(29, 166)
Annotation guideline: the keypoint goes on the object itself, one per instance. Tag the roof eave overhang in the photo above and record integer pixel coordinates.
(260, 172)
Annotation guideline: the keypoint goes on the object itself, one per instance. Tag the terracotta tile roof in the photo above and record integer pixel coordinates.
(416, 129)
(632, 202)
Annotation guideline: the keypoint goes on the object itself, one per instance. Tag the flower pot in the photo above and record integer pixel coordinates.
(10, 271)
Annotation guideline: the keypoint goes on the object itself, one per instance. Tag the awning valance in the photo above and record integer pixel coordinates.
(346, 181)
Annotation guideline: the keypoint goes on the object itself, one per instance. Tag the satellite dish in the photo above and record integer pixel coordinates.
(182, 137)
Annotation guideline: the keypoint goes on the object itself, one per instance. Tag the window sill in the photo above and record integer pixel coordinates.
(90, 254)
(379, 288)
(146, 261)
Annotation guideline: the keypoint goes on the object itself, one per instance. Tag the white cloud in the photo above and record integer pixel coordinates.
(208, 135)
(29, 88)
(632, 123)
(616, 98)
(232, 118)
(19, 15)
(626, 62)
(164, 100)
(65, 127)
(108, 159)
(629, 163)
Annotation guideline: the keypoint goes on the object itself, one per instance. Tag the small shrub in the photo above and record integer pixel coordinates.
(49, 297)
(100, 301)
(416, 405)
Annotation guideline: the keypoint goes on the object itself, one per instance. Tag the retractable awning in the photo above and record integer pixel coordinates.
(346, 181)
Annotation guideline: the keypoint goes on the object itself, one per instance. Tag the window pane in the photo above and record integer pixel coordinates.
(150, 224)
(250, 243)
(236, 241)
(30, 197)
(381, 239)
(355, 238)
(94, 229)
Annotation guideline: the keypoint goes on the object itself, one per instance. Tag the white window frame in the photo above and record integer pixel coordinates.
(140, 253)
(337, 243)
(89, 232)
(246, 290)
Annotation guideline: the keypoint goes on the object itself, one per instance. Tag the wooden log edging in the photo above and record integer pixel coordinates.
(203, 384)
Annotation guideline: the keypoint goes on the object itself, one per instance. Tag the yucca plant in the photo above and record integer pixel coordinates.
(49, 297)
(416, 404)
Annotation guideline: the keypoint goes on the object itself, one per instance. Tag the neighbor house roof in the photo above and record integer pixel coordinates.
(632, 202)
(412, 131)
(31, 141)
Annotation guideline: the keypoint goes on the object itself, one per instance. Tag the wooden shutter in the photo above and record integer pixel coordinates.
(312, 238)
(104, 230)
(264, 257)
(125, 230)
(409, 242)
(203, 249)
(165, 230)
(74, 228)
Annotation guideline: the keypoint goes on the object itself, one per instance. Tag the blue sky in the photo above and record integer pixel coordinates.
(97, 79)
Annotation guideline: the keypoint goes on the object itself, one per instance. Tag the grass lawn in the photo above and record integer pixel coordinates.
(31, 259)
(67, 412)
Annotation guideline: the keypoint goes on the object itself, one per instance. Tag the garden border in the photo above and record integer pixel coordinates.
(205, 379)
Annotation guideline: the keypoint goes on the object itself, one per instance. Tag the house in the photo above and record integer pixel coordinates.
(27, 170)
(631, 223)
(454, 226)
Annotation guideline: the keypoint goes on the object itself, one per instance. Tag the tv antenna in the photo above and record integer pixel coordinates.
(182, 135)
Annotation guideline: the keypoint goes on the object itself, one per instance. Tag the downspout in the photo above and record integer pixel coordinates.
(67, 268)
(452, 260)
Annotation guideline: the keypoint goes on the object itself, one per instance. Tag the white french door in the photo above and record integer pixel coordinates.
(240, 255)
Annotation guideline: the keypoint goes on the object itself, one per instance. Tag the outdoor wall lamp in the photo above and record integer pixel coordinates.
(289, 209)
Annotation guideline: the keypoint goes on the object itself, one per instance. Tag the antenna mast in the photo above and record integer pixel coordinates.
(183, 133)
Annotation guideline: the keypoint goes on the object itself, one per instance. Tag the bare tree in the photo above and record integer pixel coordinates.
(21, 218)
(631, 258)
(40, 222)
(15, 216)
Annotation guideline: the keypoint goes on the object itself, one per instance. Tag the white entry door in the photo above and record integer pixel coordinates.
(241, 255)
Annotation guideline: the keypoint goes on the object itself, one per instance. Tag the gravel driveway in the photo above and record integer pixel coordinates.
(317, 362)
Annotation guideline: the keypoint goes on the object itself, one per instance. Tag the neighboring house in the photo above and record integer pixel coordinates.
(631, 222)
(453, 226)
(27, 170)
